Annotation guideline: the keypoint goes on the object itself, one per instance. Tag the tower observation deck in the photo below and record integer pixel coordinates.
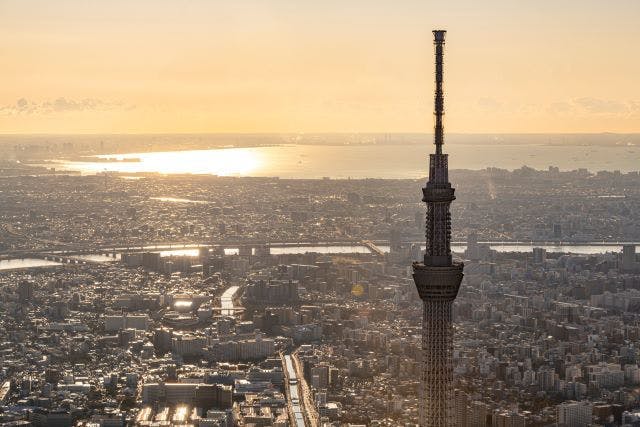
(438, 277)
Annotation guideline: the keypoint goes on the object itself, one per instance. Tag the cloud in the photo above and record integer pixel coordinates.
(499, 106)
(490, 104)
(58, 105)
(594, 106)
(602, 106)
(21, 106)
(583, 106)
(561, 107)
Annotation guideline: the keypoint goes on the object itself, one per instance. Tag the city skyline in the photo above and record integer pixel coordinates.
(214, 213)
(278, 66)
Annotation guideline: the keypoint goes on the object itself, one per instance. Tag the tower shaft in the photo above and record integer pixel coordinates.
(438, 277)
(437, 370)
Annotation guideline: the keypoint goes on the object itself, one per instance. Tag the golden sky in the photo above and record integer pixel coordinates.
(117, 66)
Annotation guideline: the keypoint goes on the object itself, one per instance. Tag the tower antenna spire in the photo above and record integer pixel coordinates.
(438, 41)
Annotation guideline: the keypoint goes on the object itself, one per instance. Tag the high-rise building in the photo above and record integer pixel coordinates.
(504, 418)
(478, 415)
(438, 278)
(628, 263)
(25, 291)
(539, 255)
(461, 403)
(473, 250)
(575, 414)
(557, 231)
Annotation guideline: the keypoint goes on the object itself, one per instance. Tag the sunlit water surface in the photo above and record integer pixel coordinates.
(362, 161)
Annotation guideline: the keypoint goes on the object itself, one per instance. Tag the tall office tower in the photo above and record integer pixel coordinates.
(473, 250)
(539, 255)
(628, 263)
(438, 278)
(25, 291)
(461, 403)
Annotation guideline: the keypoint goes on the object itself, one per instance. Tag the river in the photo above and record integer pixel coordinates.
(331, 249)
(581, 249)
(16, 264)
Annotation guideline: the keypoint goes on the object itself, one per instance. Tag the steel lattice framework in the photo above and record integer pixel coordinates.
(438, 278)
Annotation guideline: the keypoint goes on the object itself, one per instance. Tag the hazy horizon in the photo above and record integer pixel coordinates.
(449, 134)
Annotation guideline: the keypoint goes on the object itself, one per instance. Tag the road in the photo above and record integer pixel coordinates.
(302, 410)
(306, 401)
(373, 248)
(296, 412)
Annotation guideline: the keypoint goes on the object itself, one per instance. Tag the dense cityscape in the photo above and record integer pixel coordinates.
(249, 214)
(298, 306)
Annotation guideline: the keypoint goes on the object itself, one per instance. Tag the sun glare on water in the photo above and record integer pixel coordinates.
(223, 162)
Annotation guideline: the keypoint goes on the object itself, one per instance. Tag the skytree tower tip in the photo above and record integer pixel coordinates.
(438, 277)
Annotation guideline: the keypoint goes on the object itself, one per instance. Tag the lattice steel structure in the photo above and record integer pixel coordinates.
(438, 278)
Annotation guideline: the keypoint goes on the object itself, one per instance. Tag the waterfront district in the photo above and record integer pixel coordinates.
(118, 329)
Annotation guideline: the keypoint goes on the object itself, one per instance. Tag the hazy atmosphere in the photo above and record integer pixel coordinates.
(319, 213)
(156, 66)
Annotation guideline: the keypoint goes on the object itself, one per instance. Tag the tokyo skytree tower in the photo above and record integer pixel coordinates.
(438, 278)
